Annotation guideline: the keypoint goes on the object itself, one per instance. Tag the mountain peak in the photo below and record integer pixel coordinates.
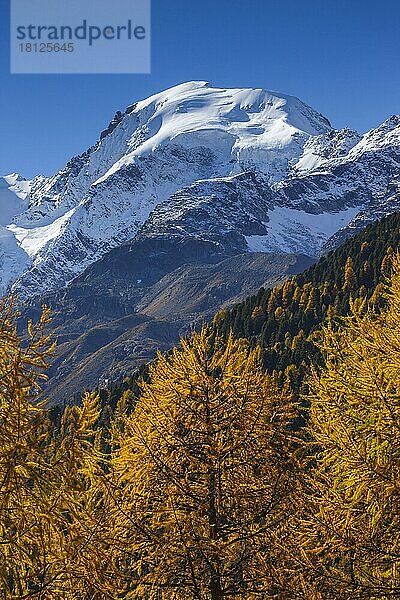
(240, 125)
(234, 105)
(387, 134)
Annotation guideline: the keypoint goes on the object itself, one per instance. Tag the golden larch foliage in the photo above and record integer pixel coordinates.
(350, 538)
(207, 470)
(51, 510)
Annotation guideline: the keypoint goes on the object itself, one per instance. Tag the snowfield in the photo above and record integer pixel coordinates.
(33, 240)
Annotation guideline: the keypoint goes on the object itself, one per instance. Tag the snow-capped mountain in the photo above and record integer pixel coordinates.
(240, 169)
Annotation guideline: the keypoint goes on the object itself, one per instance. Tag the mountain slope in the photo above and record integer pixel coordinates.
(367, 176)
(109, 321)
(282, 319)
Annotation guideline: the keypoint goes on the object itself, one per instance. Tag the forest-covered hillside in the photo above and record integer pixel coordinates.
(282, 319)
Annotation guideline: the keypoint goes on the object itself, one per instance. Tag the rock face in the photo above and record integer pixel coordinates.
(177, 191)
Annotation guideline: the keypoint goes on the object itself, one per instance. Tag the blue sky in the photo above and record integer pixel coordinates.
(341, 57)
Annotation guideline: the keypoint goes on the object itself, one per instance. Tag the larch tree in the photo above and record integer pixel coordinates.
(23, 429)
(51, 507)
(350, 279)
(205, 473)
(350, 538)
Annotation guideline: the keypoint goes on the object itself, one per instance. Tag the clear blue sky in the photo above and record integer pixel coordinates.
(340, 56)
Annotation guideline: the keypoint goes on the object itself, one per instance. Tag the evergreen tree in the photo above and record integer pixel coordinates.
(350, 279)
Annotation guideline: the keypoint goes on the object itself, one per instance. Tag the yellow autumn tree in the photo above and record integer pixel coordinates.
(350, 279)
(23, 429)
(78, 523)
(350, 534)
(205, 473)
(50, 494)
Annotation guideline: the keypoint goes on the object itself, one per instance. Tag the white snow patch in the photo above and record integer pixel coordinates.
(309, 161)
(34, 239)
(291, 230)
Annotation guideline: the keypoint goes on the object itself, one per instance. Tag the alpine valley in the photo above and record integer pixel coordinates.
(189, 201)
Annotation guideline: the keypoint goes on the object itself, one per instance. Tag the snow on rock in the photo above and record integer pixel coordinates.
(323, 148)
(299, 231)
(33, 239)
(387, 135)
(156, 154)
